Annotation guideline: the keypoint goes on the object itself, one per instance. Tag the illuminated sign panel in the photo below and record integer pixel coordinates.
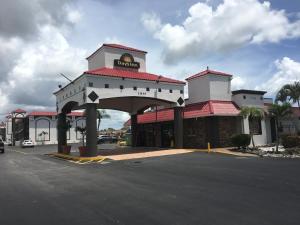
(126, 60)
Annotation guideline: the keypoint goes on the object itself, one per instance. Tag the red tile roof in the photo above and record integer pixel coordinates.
(202, 109)
(104, 71)
(19, 111)
(41, 113)
(118, 46)
(206, 72)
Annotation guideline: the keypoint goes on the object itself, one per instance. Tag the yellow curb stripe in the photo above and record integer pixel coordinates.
(78, 158)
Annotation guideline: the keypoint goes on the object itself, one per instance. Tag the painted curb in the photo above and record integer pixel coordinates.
(78, 158)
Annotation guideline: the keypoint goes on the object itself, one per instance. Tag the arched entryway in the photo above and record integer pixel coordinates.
(112, 83)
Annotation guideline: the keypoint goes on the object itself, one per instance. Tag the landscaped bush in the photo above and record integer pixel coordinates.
(290, 141)
(240, 140)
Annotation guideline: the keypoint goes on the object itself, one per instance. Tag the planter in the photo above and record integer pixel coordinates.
(82, 150)
(67, 149)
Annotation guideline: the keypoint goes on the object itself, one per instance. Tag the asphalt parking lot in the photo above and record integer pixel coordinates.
(194, 188)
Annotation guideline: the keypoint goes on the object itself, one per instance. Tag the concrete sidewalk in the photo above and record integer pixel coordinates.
(175, 152)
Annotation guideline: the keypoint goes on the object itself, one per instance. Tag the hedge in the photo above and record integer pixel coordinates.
(240, 140)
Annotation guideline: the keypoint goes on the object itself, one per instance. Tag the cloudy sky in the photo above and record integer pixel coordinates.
(257, 41)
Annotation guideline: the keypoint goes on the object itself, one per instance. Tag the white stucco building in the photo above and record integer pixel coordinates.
(40, 127)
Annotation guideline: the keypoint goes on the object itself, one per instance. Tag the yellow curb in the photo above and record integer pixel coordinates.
(98, 158)
(226, 152)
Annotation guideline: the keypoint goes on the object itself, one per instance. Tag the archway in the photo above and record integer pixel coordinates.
(112, 83)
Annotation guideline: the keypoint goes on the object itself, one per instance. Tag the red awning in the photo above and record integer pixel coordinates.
(203, 109)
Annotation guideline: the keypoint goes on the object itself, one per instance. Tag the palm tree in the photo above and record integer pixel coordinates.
(102, 114)
(82, 131)
(289, 92)
(278, 112)
(252, 113)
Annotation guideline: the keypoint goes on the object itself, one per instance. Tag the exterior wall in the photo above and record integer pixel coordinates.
(209, 87)
(114, 91)
(255, 100)
(97, 60)
(258, 139)
(8, 130)
(194, 133)
(48, 125)
(220, 88)
(250, 100)
(198, 90)
(106, 55)
(72, 92)
(228, 126)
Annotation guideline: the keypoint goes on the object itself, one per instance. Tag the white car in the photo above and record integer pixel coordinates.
(27, 143)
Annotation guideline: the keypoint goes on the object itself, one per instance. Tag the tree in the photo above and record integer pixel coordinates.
(278, 112)
(102, 114)
(289, 92)
(82, 131)
(42, 135)
(252, 113)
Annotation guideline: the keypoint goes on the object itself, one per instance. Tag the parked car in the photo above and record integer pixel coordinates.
(2, 150)
(107, 139)
(27, 144)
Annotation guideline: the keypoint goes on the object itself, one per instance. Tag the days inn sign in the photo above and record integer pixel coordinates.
(127, 61)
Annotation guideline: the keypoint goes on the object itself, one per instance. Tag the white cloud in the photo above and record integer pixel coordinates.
(288, 71)
(232, 24)
(238, 83)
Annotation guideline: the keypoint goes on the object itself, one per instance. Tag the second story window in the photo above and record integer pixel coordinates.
(181, 91)
(134, 88)
(171, 91)
(159, 89)
(91, 84)
(121, 87)
(106, 85)
(147, 89)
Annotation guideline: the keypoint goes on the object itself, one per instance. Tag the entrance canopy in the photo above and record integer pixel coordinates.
(120, 83)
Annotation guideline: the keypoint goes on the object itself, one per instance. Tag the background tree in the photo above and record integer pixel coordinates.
(278, 112)
(289, 92)
(252, 113)
(82, 131)
(102, 114)
(43, 136)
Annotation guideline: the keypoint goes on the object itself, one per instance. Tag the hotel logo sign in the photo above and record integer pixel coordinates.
(126, 60)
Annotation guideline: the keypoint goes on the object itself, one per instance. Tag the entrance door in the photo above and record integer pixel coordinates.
(167, 135)
(273, 130)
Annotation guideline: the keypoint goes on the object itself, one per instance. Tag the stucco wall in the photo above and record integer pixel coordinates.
(106, 55)
(209, 87)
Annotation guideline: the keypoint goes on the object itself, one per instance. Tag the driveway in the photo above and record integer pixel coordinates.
(195, 188)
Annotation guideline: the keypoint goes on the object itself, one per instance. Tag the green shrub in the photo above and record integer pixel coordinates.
(240, 140)
(289, 141)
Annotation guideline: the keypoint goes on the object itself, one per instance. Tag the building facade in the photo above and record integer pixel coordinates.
(211, 115)
(40, 127)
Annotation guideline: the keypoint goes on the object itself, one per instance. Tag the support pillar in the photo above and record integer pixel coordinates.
(134, 130)
(91, 130)
(61, 132)
(178, 127)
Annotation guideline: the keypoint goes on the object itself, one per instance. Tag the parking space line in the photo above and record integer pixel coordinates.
(24, 153)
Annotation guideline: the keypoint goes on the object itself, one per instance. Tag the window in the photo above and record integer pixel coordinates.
(181, 91)
(171, 91)
(121, 87)
(159, 89)
(244, 97)
(147, 89)
(255, 126)
(91, 84)
(134, 88)
(106, 85)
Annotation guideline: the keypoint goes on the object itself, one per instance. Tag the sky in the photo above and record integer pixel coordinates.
(256, 41)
